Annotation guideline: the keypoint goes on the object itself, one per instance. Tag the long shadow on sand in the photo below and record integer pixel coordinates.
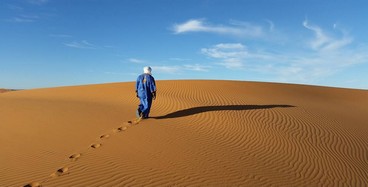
(197, 110)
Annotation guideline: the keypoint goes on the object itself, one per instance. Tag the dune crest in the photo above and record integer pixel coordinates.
(201, 133)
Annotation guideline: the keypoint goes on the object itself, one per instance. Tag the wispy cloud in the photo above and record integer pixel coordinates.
(179, 69)
(21, 15)
(166, 69)
(23, 18)
(179, 59)
(114, 73)
(236, 28)
(135, 60)
(15, 7)
(272, 25)
(38, 2)
(60, 35)
(20, 20)
(196, 67)
(324, 42)
(328, 54)
(231, 55)
(81, 45)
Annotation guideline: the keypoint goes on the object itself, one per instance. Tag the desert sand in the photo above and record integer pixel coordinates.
(201, 133)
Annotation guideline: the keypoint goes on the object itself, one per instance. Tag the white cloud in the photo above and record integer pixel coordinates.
(179, 59)
(177, 69)
(232, 63)
(37, 2)
(324, 42)
(190, 26)
(230, 54)
(166, 69)
(272, 25)
(135, 60)
(328, 51)
(24, 18)
(196, 67)
(320, 38)
(328, 55)
(236, 28)
(230, 46)
(20, 20)
(81, 45)
(332, 54)
(225, 50)
(22, 15)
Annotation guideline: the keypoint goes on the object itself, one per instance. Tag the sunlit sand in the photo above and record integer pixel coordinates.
(201, 133)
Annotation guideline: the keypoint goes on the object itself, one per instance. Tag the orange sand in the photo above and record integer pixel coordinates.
(202, 133)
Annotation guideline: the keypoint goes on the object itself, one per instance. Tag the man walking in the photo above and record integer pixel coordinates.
(145, 88)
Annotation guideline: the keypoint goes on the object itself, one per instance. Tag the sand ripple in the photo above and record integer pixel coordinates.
(202, 133)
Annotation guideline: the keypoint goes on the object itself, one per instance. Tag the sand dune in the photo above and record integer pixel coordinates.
(201, 133)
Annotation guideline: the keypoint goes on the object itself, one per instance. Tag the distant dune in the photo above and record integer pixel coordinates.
(201, 133)
(2, 90)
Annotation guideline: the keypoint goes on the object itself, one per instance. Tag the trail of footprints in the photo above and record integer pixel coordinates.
(74, 157)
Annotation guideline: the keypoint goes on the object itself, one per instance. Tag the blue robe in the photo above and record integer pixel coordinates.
(145, 86)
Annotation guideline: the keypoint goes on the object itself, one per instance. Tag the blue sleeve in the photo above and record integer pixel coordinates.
(152, 84)
(137, 83)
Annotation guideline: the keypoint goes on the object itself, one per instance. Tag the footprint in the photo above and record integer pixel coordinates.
(104, 136)
(33, 184)
(61, 171)
(119, 129)
(134, 122)
(95, 146)
(75, 157)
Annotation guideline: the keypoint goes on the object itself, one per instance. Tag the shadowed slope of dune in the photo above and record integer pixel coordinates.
(201, 133)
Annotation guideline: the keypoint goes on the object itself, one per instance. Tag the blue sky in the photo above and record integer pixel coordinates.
(49, 43)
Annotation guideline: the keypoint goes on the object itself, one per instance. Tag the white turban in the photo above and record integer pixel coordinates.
(147, 70)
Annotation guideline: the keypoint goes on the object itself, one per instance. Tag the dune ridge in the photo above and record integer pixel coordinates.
(201, 133)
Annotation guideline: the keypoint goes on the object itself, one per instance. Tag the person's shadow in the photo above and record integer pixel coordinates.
(201, 109)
